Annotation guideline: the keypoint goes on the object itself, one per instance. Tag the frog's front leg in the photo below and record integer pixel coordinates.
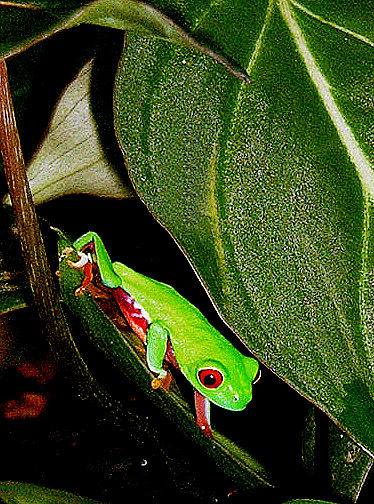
(157, 341)
(96, 252)
(101, 257)
(84, 264)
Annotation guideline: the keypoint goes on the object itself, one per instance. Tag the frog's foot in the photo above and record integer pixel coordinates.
(85, 264)
(163, 380)
(66, 252)
(79, 291)
(202, 408)
(83, 259)
(64, 255)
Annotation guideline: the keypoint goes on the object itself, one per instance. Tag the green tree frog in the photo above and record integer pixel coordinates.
(166, 322)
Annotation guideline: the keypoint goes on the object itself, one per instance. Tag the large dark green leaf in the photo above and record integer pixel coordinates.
(268, 188)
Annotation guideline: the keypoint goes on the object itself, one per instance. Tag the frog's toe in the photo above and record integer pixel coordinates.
(163, 382)
(83, 259)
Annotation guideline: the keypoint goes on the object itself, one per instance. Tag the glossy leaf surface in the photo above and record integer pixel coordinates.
(268, 188)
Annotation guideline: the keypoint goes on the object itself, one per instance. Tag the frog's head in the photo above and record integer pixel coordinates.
(228, 387)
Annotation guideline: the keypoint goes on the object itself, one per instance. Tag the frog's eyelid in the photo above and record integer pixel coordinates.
(257, 377)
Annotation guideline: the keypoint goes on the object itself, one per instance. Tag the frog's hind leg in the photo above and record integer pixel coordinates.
(202, 408)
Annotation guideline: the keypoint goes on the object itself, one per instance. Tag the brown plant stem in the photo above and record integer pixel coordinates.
(38, 270)
(40, 276)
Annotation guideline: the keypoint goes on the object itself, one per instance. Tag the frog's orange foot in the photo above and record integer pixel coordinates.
(162, 382)
(80, 291)
(67, 251)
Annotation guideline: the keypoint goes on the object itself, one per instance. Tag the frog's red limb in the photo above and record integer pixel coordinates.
(88, 276)
(202, 408)
(170, 356)
(138, 323)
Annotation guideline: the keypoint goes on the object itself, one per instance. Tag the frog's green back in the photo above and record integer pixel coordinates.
(160, 300)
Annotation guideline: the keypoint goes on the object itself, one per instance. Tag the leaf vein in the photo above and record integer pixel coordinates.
(333, 25)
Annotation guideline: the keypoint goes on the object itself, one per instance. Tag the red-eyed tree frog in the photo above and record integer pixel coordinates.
(162, 318)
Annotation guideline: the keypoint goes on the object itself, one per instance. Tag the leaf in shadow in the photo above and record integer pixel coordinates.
(349, 465)
(13, 492)
(307, 501)
(15, 291)
(268, 189)
(332, 460)
(22, 24)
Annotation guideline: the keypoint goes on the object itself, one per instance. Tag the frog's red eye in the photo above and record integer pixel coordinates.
(210, 378)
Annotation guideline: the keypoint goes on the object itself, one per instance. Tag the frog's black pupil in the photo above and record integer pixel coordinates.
(209, 380)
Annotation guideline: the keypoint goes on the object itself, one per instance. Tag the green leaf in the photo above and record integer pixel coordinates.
(325, 445)
(129, 15)
(309, 443)
(12, 492)
(349, 465)
(268, 189)
(124, 350)
(22, 24)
